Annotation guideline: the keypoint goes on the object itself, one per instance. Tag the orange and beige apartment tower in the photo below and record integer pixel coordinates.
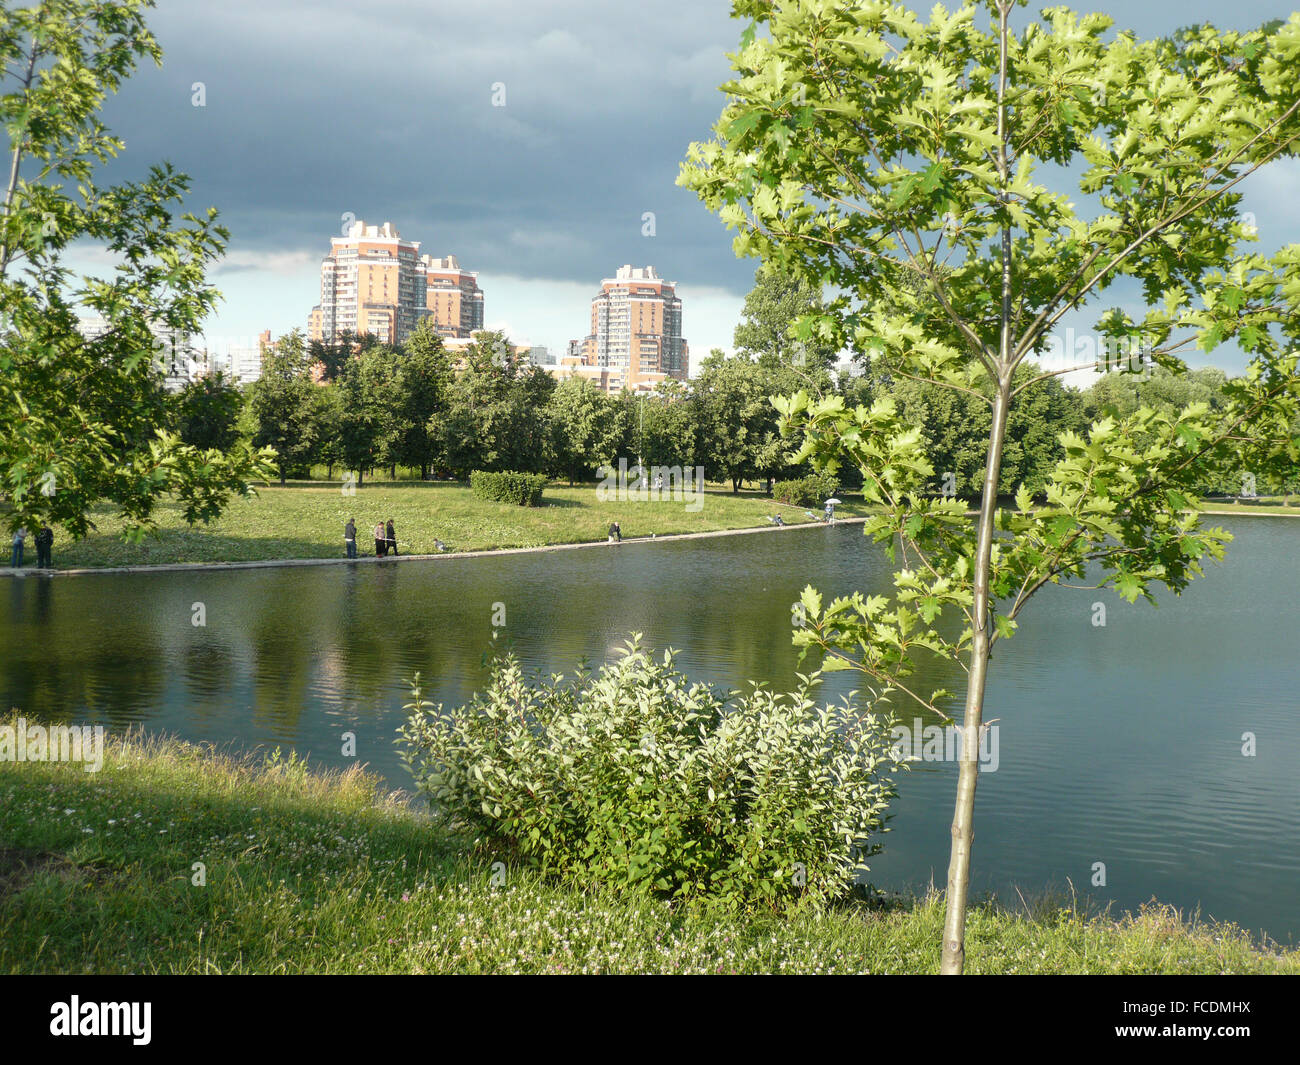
(636, 331)
(375, 282)
(454, 300)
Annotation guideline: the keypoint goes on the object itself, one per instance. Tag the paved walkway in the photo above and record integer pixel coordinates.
(177, 567)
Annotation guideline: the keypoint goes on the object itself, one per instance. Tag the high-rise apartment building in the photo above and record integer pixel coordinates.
(636, 330)
(453, 298)
(375, 282)
(243, 363)
(371, 282)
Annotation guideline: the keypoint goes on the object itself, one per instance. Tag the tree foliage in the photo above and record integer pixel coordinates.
(903, 163)
(84, 418)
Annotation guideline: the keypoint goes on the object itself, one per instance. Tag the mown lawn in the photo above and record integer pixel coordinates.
(317, 873)
(306, 521)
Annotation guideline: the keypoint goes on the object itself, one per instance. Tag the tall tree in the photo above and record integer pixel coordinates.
(895, 160)
(207, 410)
(776, 302)
(496, 411)
(283, 403)
(370, 402)
(588, 428)
(84, 421)
(333, 355)
(423, 379)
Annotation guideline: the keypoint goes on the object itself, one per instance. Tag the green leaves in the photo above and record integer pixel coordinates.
(637, 778)
(88, 419)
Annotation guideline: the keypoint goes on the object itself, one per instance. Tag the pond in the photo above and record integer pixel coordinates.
(1119, 744)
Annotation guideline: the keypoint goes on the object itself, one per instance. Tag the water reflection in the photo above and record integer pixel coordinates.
(1119, 744)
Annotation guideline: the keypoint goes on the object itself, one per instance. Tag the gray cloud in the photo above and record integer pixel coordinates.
(314, 110)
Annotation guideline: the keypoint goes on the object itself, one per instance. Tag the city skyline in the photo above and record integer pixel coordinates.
(542, 154)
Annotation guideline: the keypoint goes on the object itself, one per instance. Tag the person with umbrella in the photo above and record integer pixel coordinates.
(830, 508)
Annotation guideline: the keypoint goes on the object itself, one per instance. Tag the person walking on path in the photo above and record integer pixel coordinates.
(350, 537)
(44, 544)
(16, 556)
(392, 537)
(381, 540)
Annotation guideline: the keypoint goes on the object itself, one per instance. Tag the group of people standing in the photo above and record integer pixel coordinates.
(385, 538)
(44, 547)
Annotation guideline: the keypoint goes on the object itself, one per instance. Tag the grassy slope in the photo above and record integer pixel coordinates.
(317, 873)
(306, 521)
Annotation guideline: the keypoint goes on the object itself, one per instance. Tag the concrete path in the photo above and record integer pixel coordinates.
(178, 567)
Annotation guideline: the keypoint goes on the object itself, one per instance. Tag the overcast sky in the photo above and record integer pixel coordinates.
(319, 110)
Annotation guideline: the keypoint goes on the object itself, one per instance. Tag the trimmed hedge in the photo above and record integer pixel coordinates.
(806, 491)
(508, 486)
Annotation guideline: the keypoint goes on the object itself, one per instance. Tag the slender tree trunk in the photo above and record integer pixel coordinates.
(963, 827)
(963, 819)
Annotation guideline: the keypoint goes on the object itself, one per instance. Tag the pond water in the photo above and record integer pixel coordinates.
(1120, 744)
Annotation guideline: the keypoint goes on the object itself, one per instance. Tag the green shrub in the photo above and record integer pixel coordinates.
(811, 491)
(636, 778)
(507, 486)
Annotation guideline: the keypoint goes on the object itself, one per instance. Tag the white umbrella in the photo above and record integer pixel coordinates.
(833, 502)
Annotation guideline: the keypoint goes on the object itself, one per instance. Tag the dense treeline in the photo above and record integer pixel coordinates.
(363, 406)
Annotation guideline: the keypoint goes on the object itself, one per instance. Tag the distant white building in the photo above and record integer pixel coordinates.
(178, 362)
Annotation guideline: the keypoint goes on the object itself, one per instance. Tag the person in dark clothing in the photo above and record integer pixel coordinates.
(44, 545)
(350, 537)
(615, 532)
(392, 537)
(381, 540)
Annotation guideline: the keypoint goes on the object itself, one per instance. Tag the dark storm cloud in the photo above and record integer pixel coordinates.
(385, 111)
(316, 110)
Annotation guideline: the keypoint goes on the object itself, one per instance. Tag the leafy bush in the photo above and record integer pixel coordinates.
(633, 777)
(810, 491)
(508, 486)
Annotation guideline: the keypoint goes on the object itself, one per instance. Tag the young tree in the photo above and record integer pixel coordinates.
(83, 418)
(665, 427)
(896, 161)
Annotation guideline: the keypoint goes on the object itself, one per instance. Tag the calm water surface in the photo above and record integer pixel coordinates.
(1119, 744)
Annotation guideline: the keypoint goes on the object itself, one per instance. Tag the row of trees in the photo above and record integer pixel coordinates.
(360, 405)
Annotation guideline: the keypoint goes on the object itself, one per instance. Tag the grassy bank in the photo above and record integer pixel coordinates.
(321, 873)
(306, 521)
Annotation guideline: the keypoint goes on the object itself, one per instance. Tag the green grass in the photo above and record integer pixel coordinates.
(322, 873)
(306, 521)
(1264, 505)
